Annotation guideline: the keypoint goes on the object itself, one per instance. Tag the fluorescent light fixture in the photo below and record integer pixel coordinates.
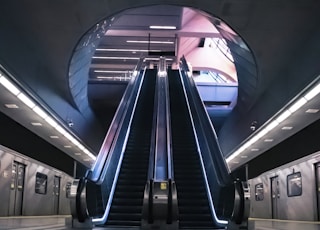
(244, 156)
(89, 154)
(116, 58)
(9, 86)
(163, 27)
(283, 116)
(268, 140)
(86, 159)
(36, 124)
(272, 125)
(68, 136)
(51, 122)
(60, 129)
(78, 154)
(254, 150)
(313, 92)
(26, 100)
(128, 50)
(111, 71)
(68, 146)
(114, 78)
(40, 112)
(262, 133)
(81, 147)
(75, 141)
(151, 42)
(11, 106)
(86, 151)
(157, 59)
(312, 111)
(254, 139)
(297, 105)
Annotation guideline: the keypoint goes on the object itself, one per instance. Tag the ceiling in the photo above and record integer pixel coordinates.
(44, 49)
(129, 38)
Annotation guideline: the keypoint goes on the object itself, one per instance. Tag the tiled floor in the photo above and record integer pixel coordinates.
(64, 223)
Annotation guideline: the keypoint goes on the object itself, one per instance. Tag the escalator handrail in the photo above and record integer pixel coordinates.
(188, 102)
(105, 152)
(163, 156)
(103, 219)
(210, 136)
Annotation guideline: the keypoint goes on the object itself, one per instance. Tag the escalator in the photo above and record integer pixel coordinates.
(178, 193)
(127, 200)
(193, 205)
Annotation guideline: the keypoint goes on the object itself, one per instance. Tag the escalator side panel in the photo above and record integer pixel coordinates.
(194, 209)
(127, 200)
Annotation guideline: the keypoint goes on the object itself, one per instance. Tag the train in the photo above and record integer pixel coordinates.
(31, 188)
(289, 192)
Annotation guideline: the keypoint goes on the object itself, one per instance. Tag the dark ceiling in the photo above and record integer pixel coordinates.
(41, 40)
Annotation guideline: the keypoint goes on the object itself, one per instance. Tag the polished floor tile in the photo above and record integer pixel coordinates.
(65, 223)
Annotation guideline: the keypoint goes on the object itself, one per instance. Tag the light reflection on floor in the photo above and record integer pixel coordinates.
(64, 223)
(261, 224)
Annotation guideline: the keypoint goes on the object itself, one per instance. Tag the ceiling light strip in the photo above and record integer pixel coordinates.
(151, 42)
(292, 107)
(127, 50)
(163, 27)
(112, 71)
(40, 112)
(116, 58)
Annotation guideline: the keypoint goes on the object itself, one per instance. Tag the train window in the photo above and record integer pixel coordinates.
(294, 184)
(259, 192)
(41, 183)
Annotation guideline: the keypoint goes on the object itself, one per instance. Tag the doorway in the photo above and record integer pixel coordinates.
(16, 188)
(275, 196)
(317, 171)
(56, 194)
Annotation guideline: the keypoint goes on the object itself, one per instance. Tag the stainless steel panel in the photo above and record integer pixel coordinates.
(317, 168)
(56, 194)
(303, 207)
(275, 195)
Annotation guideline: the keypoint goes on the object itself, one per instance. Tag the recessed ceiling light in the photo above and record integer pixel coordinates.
(255, 150)
(268, 140)
(11, 106)
(235, 162)
(67, 146)
(78, 154)
(312, 111)
(286, 128)
(36, 124)
(244, 156)
(86, 159)
(54, 137)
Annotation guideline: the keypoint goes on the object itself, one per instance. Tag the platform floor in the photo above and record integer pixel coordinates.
(64, 223)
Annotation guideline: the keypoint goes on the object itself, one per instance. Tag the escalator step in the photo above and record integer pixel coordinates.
(126, 207)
